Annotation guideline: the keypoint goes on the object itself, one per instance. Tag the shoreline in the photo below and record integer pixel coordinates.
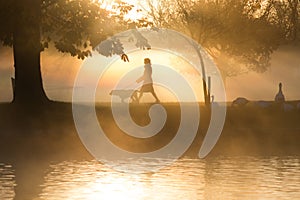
(50, 133)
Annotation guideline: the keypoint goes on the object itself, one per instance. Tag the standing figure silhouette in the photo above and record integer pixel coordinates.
(148, 82)
(279, 96)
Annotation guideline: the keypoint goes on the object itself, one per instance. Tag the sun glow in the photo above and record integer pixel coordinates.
(93, 181)
(134, 69)
(113, 187)
(134, 14)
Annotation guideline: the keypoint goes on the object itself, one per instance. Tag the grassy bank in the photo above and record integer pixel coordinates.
(49, 132)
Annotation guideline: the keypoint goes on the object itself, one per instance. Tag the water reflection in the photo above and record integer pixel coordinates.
(92, 180)
(7, 181)
(253, 178)
(217, 178)
(214, 178)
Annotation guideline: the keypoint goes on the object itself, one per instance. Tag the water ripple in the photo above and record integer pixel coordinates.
(213, 178)
(7, 182)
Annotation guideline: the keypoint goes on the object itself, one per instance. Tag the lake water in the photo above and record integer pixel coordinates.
(212, 178)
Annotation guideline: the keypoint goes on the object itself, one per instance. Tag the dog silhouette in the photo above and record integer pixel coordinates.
(125, 94)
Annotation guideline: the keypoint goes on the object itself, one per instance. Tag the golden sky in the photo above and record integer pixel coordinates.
(134, 69)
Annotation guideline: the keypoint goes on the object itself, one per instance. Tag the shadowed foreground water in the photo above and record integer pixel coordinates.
(213, 178)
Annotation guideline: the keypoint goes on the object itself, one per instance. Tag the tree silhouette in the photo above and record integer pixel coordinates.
(286, 16)
(72, 26)
(240, 35)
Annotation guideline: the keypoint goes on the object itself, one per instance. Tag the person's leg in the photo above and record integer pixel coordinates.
(155, 96)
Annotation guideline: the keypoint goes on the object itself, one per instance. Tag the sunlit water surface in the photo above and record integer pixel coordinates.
(7, 181)
(214, 178)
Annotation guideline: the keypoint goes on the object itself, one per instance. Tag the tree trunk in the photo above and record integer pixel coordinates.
(206, 92)
(27, 49)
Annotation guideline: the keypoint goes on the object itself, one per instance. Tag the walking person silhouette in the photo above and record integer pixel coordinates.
(148, 82)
